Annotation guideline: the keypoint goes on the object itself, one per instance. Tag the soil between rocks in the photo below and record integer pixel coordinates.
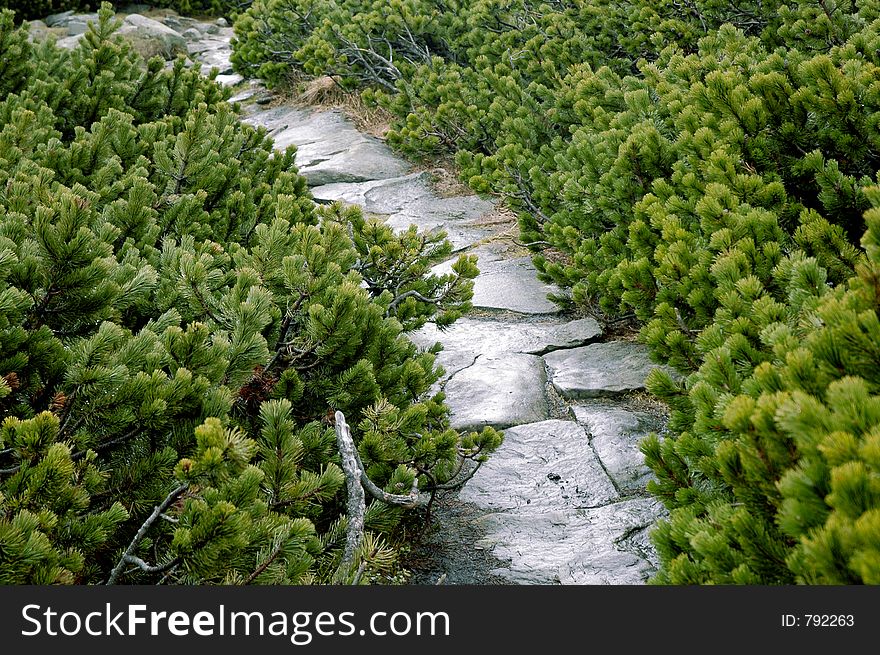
(447, 552)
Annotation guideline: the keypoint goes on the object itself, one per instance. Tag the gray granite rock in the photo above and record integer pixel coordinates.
(580, 546)
(388, 196)
(191, 33)
(570, 334)
(499, 391)
(615, 434)
(74, 23)
(229, 80)
(179, 23)
(38, 30)
(246, 94)
(539, 467)
(469, 337)
(69, 42)
(508, 283)
(599, 369)
(150, 37)
(455, 216)
(79, 25)
(329, 148)
(221, 22)
(58, 20)
(409, 200)
(212, 53)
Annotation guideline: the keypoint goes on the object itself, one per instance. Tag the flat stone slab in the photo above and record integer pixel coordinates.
(409, 200)
(544, 466)
(508, 283)
(455, 216)
(600, 369)
(229, 80)
(469, 337)
(389, 196)
(499, 391)
(213, 52)
(329, 148)
(615, 434)
(571, 546)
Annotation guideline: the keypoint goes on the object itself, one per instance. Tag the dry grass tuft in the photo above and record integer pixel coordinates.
(322, 91)
(325, 92)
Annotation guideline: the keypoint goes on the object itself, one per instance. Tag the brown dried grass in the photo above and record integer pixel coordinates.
(326, 92)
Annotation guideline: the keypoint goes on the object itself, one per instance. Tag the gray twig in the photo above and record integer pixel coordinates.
(127, 557)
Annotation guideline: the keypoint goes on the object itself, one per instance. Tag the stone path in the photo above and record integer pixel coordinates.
(563, 500)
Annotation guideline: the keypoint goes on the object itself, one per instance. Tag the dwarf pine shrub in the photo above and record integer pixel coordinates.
(178, 324)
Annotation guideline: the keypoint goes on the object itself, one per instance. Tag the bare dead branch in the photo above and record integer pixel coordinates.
(127, 557)
(356, 505)
(143, 566)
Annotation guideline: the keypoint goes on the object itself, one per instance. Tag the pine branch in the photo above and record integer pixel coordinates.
(262, 567)
(412, 294)
(142, 532)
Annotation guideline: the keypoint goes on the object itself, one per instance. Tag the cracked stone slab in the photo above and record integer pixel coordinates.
(615, 435)
(600, 369)
(389, 196)
(455, 216)
(247, 93)
(568, 546)
(499, 391)
(329, 148)
(638, 542)
(409, 200)
(507, 283)
(469, 337)
(539, 467)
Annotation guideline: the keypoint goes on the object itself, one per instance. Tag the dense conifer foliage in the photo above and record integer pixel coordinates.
(39, 9)
(178, 324)
(706, 168)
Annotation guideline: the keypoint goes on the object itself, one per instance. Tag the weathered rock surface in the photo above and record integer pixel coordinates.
(469, 337)
(599, 369)
(79, 24)
(615, 434)
(454, 216)
(409, 200)
(570, 547)
(498, 390)
(246, 93)
(541, 467)
(388, 196)
(178, 23)
(571, 529)
(150, 37)
(212, 52)
(69, 42)
(507, 283)
(329, 148)
(60, 19)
